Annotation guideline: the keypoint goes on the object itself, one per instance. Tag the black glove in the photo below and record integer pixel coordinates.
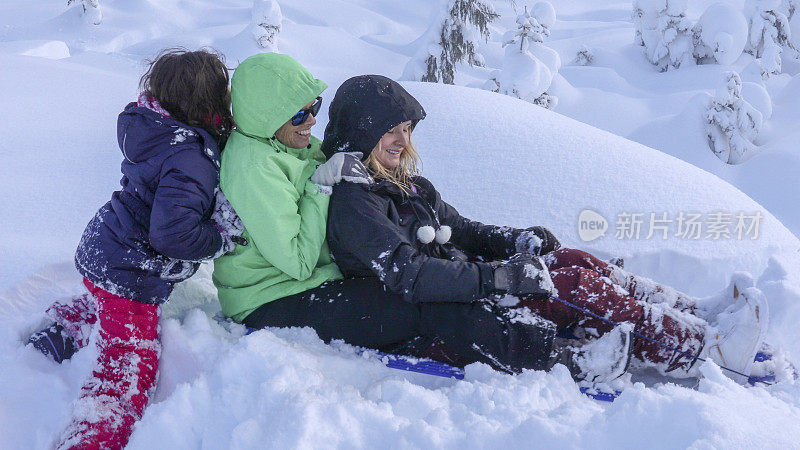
(536, 241)
(524, 274)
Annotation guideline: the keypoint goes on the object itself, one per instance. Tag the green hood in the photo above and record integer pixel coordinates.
(267, 89)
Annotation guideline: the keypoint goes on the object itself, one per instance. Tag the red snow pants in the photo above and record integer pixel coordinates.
(113, 398)
(582, 279)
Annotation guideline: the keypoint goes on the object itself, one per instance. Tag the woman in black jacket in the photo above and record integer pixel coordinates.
(454, 273)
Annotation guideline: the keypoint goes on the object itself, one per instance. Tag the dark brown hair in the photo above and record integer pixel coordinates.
(193, 87)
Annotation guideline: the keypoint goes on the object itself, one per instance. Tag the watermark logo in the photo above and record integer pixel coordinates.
(591, 225)
(685, 225)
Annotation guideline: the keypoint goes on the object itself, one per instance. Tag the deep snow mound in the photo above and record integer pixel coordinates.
(504, 161)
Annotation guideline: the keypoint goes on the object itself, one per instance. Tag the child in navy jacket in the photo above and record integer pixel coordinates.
(152, 234)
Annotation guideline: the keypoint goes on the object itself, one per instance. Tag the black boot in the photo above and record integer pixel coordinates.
(54, 342)
(601, 360)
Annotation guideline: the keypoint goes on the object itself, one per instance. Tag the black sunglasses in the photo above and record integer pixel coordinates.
(303, 114)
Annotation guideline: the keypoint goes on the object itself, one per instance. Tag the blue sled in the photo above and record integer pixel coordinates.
(420, 365)
(440, 369)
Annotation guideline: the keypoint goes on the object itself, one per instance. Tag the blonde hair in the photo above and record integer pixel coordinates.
(401, 175)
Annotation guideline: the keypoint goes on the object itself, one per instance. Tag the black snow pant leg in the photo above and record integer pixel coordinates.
(481, 331)
(359, 311)
(362, 312)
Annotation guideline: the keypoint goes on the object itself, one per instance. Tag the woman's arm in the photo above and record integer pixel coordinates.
(286, 226)
(178, 228)
(358, 225)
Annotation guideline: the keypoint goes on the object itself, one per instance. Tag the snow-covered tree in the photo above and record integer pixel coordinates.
(664, 31)
(91, 10)
(528, 66)
(266, 24)
(585, 56)
(720, 35)
(769, 33)
(792, 8)
(452, 40)
(732, 124)
(670, 41)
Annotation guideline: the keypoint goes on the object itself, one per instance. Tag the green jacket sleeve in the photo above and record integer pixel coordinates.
(286, 226)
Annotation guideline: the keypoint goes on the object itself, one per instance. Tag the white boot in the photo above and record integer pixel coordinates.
(602, 360)
(709, 308)
(739, 332)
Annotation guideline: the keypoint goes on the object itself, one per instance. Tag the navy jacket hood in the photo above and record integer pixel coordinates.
(142, 133)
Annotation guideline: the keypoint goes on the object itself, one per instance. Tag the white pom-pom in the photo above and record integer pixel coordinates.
(426, 234)
(443, 234)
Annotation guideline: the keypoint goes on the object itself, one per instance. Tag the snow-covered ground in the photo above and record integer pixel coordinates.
(494, 158)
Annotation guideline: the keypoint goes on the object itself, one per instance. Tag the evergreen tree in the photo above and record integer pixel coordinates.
(453, 40)
(792, 10)
(732, 124)
(584, 57)
(720, 35)
(266, 24)
(664, 31)
(528, 66)
(769, 33)
(91, 10)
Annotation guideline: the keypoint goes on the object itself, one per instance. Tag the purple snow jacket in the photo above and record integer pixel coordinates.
(154, 230)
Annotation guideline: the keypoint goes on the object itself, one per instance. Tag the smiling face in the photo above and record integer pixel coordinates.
(392, 145)
(296, 136)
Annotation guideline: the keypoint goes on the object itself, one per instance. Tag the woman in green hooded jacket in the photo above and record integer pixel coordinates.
(278, 182)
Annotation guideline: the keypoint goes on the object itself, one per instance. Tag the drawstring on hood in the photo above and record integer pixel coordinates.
(427, 233)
